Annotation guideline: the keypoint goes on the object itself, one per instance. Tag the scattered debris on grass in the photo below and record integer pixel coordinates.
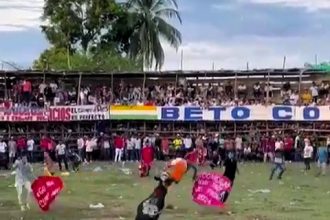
(65, 174)
(259, 191)
(97, 169)
(126, 171)
(5, 175)
(97, 206)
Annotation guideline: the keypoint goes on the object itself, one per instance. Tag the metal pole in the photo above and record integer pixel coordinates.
(79, 88)
(144, 85)
(300, 80)
(181, 60)
(176, 82)
(111, 88)
(235, 86)
(6, 92)
(267, 92)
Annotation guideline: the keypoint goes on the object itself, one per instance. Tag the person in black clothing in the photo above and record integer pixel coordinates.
(231, 167)
(230, 172)
(216, 159)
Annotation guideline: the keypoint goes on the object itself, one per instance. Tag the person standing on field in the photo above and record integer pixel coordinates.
(89, 150)
(61, 153)
(130, 148)
(308, 153)
(278, 163)
(30, 148)
(119, 144)
(322, 157)
(81, 148)
(12, 150)
(23, 178)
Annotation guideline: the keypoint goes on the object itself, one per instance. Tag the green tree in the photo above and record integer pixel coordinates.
(79, 23)
(83, 32)
(55, 59)
(151, 25)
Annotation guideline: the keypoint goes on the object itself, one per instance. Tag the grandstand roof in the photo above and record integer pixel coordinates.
(199, 73)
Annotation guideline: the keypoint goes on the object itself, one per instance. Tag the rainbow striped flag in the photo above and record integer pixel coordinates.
(126, 112)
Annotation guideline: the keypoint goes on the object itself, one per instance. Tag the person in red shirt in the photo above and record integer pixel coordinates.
(288, 148)
(21, 145)
(165, 146)
(119, 143)
(45, 143)
(202, 153)
(27, 90)
(147, 157)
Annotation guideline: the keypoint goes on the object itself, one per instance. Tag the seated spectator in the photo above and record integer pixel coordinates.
(286, 93)
(294, 97)
(306, 97)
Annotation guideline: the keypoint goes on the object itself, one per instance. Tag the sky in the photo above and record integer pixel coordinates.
(226, 33)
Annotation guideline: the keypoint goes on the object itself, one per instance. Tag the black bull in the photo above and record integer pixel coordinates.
(151, 207)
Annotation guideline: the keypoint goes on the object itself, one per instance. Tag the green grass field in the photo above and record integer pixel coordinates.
(298, 196)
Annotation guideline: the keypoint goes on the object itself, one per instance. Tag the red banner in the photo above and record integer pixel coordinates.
(45, 189)
(23, 114)
(60, 113)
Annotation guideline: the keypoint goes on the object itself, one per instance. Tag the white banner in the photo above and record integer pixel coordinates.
(89, 113)
(245, 113)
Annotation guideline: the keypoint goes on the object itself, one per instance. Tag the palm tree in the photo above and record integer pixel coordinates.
(150, 20)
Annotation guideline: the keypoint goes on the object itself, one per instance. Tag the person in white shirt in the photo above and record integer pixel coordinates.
(278, 144)
(106, 146)
(239, 147)
(137, 147)
(23, 178)
(130, 148)
(89, 149)
(3, 147)
(12, 150)
(61, 155)
(3, 154)
(308, 153)
(315, 92)
(81, 148)
(30, 148)
(187, 142)
(294, 97)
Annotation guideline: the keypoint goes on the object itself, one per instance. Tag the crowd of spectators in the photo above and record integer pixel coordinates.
(39, 94)
(127, 146)
(56, 92)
